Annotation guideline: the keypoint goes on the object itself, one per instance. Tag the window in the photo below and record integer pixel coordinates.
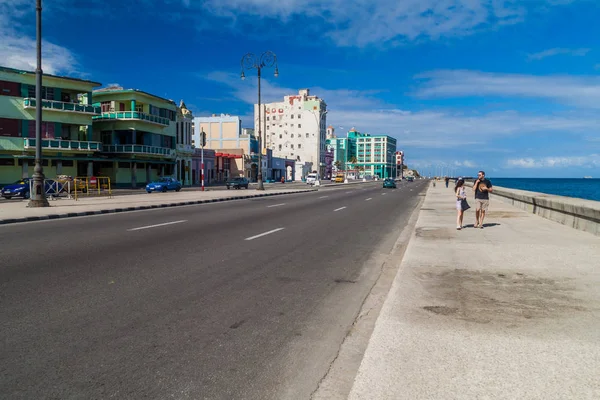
(292, 135)
(299, 146)
(10, 127)
(47, 92)
(292, 116)
(299, 126)
(10, 89)
(280, 136)
(280, 147)
(267, 118)
(139, 108)
(292, 146)
(307, 135)
(7, 162)
(292, 125)
(299, 116)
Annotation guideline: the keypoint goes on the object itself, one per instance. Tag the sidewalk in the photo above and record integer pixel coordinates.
(17, 211)
(511, 311)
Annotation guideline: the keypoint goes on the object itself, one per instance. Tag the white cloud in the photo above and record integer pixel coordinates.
(581, 91)
(423, 129)
(592, 160)
(557, 51)
(18, 49)
(364, 22)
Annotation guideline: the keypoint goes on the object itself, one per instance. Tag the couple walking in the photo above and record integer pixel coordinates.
(482, 188)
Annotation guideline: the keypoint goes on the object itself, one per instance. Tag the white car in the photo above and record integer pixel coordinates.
(311, 179)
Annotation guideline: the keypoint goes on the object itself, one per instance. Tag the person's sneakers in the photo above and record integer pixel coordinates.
(458, 228)
(475, 226)
(481, 226)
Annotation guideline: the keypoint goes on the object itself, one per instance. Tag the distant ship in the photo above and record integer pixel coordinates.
(587, 177)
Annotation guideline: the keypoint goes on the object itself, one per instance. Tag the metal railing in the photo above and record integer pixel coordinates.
(140, 149)
(92, 186)
(54, 189)
(131, 115)
(63, 106)
(60, 144)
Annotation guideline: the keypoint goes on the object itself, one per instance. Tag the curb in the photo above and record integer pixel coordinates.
(138, 208)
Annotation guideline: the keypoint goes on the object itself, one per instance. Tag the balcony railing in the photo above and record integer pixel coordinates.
(59, 144)
(62, 106)
(185, 148)
(132, 115)
(139, 149)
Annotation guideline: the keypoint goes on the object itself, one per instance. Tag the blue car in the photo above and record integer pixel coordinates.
(164, 185)
(21, 188)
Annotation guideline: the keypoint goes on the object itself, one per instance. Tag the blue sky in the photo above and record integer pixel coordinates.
(508, 86)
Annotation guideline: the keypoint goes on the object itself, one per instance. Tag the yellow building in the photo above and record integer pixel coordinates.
(138, 135)
(235, 149)
(67, 143)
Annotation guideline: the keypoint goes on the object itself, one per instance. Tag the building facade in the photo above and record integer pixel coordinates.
(68, 144)
(295, 129)
(236, 149)
(376, 155)
(184, 149)
(138, 135)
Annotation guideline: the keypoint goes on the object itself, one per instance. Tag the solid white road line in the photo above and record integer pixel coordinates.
(276, 205)
(338, 209)
(383, 194)
(322, 197)
(370, 198)
(264, 234)
(157, 225)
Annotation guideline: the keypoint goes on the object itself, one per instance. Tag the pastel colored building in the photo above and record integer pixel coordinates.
(138, 135)
(184, 150)
(68, 144)
(295, 128)
(236, 149)
(377, 155)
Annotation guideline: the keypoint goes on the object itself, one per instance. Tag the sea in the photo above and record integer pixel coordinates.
(582, 188)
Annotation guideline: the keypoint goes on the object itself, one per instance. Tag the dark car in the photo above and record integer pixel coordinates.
(21, 188)
(164, 185)
(389, 183)
(237, 183)
(410, 178)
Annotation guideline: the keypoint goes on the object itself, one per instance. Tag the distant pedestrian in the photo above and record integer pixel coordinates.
(461, 202)
(447, 180)
(482, 188)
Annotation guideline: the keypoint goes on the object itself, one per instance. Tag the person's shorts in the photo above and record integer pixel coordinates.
(481, 205)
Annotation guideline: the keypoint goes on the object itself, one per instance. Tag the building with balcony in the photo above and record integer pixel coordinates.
(236, 149)
(184, 149)
(68, 145)
(295, 128)
(138, 134)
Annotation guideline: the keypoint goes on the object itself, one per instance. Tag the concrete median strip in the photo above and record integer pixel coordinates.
(34, 218)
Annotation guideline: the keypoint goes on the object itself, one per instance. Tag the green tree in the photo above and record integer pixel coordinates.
(338, 164)
(353, 160)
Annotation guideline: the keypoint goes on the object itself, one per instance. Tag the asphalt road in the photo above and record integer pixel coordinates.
(239, 300)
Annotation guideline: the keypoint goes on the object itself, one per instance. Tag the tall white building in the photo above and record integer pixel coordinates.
(295, 129)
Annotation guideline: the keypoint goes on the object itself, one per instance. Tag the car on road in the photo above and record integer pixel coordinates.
(410, 178)
(21, 188)
(237, 183)
(339, 178)
(164, 185)
(389, 183)
(312, 178)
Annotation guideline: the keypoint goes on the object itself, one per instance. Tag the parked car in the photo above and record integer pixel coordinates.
(164, 185)
(339, 178)
(237, 183)
(21, 188)
(389, 183)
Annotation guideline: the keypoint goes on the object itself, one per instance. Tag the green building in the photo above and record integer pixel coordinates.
(67, 142)
(377, 155)
(138, 135)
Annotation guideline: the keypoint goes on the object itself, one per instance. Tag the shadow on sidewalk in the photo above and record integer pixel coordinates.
(490, 225)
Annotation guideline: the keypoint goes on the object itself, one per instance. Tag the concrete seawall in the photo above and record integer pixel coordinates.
(580, 214)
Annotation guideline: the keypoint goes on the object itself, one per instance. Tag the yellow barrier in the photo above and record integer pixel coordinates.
(92, 186)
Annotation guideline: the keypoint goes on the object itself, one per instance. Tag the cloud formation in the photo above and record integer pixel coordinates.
(557, 51)
(590, 161)
(580, 91)
(418, 129)
(18, 49)
(365, 22)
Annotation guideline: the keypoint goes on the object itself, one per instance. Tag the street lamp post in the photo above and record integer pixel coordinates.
(37, 193)
(203, 143)
(250, 61)
(318, 120)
